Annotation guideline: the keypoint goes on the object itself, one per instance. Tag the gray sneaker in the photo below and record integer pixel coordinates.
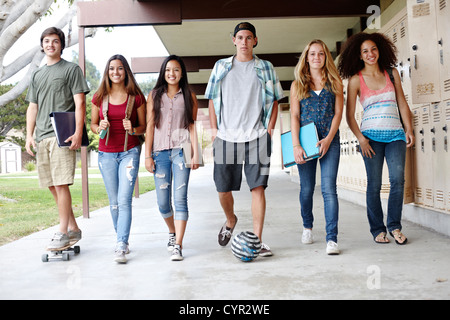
(74, 236)
(121, 250)
(59, 240)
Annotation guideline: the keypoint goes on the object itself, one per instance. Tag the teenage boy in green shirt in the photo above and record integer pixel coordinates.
(59, 85)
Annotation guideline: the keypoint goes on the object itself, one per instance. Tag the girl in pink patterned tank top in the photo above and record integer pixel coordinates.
(365, 60)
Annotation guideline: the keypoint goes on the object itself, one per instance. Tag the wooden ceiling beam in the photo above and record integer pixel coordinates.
(106, 13)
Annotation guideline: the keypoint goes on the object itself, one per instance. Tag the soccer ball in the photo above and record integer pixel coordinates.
(246, 246)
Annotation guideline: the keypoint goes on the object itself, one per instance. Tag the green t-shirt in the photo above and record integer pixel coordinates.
(52, 88)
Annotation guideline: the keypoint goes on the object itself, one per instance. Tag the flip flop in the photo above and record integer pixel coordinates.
(397, 234)
(381, 235)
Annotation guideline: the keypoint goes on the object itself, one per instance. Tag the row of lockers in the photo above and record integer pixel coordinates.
(421, 33)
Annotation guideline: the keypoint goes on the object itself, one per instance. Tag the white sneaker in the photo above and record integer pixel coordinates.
(176, 253)
(307, 236)
(332, 248)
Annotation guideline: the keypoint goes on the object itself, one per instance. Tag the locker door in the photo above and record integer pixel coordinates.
(424, 53)
(404, 65)
(446, 153)
(443, 31)
(423, 153)
(438, 155)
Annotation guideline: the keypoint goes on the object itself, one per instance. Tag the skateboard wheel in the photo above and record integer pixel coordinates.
(76, 249)
(65, 256)
(44, 257)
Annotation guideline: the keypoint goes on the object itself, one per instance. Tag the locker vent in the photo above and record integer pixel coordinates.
(402, 32)
(425, 118)
(419, 195)
(448, 202)
(421, 10)
(416, 120)
(385, 187)
(440, 196)
(447, 114)
(447, 85)
(429, 195)
(394, 37)
(442, 4)
(436, 116)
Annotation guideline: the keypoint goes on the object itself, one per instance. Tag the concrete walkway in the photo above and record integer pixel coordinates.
(363, 270)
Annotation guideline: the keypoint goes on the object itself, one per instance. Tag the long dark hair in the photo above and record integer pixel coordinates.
(131, 84)
(161, 87)
(350, 62)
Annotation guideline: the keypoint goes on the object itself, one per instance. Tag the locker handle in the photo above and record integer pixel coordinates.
(421, 131)
(415, 62)
(444, 128)
(433, 130)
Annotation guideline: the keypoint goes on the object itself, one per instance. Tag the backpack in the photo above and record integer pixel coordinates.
(128, 110)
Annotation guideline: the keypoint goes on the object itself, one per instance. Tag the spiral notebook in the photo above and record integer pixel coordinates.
(64, 126)
(308, 140)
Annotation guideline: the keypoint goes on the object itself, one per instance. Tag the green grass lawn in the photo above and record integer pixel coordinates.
(25, 208)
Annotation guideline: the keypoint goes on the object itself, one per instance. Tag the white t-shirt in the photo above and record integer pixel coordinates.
(242, 108)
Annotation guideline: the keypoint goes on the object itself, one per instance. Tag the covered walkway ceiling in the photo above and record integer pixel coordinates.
(200, 30)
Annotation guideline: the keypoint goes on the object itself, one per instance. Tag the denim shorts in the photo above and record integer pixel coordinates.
(230, 157)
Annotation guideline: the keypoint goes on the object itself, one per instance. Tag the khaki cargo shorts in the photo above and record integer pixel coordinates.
(56, 166)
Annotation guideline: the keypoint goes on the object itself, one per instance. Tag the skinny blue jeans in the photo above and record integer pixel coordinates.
(171, 175)
(395, 154)
(329, 165)
(119, 171)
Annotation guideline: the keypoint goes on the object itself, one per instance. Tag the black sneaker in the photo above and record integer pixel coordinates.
(225, 233)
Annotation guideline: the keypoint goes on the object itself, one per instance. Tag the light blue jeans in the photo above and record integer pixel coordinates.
(170, 165)
(119, 171)
(329, 168)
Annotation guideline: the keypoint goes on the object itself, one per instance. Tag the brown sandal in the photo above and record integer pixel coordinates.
(381, 238)
(397, 234)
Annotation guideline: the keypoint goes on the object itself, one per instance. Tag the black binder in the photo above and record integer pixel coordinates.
(64, 126)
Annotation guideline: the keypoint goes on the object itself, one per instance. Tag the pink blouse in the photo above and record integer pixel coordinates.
(171, 132)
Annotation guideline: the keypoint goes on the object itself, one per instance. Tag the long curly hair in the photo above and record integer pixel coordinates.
(302, 82)
(350, 62)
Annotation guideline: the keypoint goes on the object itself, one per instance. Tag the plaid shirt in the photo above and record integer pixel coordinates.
(270, 85)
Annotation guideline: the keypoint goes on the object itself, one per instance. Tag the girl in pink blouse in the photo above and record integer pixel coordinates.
(171, 114)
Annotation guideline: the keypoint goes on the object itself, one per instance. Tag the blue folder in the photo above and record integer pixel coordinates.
(308, 140)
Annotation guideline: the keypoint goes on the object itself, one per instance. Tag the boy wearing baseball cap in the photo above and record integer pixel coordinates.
(243, 92)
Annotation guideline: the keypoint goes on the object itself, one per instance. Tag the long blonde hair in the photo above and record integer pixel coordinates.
(302, 82)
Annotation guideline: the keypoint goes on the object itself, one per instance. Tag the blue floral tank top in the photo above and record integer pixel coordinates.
(320, 110)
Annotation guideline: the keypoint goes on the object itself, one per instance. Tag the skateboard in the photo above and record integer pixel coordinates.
(61, 253)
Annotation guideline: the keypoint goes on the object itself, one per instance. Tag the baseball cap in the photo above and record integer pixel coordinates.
(245, 26)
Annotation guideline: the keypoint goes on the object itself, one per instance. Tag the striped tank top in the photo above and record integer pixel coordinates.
(381, 120)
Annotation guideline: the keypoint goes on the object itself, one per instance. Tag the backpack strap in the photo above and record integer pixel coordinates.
(391, 76)
(105, 105)
(128, 111)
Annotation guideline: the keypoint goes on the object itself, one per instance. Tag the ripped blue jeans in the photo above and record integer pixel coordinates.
(170, 166)
(119, 171)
